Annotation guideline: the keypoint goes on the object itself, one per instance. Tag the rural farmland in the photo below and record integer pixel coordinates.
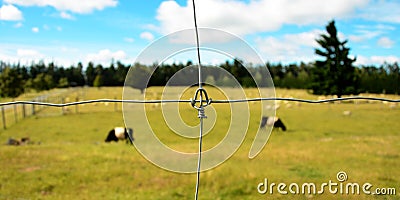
(220, 99)
(68, 159)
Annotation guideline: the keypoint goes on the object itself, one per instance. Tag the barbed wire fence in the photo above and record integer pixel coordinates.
(15, 111)
(52, 105)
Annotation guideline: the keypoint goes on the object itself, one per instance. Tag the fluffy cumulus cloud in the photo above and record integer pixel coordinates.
(105, 56)
(35, 30)
(385, 42)
(66, 15)
(241, 18)
(147, 36)
(28, 53)
(289, 47)
(75, 6)
(10, 13)
(377, 60)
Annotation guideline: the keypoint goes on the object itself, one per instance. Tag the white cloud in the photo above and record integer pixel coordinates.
(364, 33)
(105, 56)
(66, 15)
(385, 42)
(147, 36)
(29, 55)
(377, 60)
(206, 36)
(382, 11)
(384, 27)
(59, 28)
(22, 54)
(65, 49)
(243, 18)
(305, 38)
(35, 29)
(10, 13)
(152, 27)
(75, 6)
(18, 25)
(129, 40)
(61, 54)
(289, 47)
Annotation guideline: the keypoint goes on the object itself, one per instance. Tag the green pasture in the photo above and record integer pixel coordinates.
(68, 158)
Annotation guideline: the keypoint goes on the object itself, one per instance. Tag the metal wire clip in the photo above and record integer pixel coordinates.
(204, 101)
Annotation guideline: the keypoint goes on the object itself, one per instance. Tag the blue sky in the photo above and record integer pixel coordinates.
(69, 31)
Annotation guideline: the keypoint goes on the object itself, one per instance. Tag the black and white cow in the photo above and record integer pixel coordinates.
(272, 121)
(120, 133)
(16, 142)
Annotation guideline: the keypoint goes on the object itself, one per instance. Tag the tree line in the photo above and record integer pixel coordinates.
(368, 78)
(16, 79)
(334, 74)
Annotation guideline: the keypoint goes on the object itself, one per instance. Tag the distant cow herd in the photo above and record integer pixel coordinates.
(122, 133)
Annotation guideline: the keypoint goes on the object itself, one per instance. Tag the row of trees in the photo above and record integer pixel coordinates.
(334, 74)
(368, 79)
(15, 79)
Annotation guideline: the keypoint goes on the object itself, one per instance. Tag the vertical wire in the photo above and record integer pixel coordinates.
(199, 159)
(200, 110)
(197, 43)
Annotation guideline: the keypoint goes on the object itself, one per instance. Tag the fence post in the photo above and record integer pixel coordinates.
(3, 117)
(23, 111)
(33, 109)
(15, 113)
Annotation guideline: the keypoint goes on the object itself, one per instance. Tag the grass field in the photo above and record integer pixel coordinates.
(69, 159)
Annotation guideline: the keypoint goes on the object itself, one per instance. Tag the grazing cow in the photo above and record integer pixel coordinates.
(120, 133)
(272, 121)
(16, 142)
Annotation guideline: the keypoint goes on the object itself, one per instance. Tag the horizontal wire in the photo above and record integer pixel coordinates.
(307, 100)
(93, 101)
(189, 101)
